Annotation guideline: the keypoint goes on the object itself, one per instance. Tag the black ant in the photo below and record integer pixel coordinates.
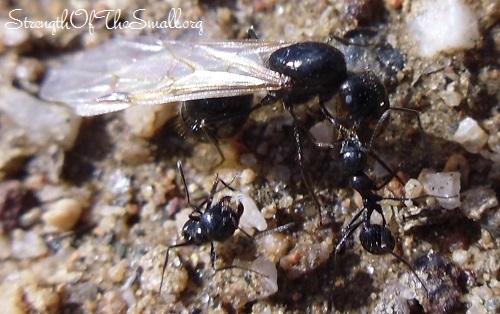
(375, 238)
(364, 100)
(208, 222)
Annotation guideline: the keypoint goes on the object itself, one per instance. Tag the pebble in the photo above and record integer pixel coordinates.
(45, 122)
(144, 121)
(114, 303)
(247, 176)
(458, 162)
(30, 218)
(11, 298)
(476, 201)
(451, 98)
(63, 214)
(323, 132)
(470, 135)
(41, 299)
(413, 189)
(252, 217)
(14, 35)
(27, 244)
(445, 187)
(394, 4)
(443, 25)
(304, 258)
(117, 272)
(4, 247)
(461, 257)
(274, 245)
(266, 281)
(441, 279)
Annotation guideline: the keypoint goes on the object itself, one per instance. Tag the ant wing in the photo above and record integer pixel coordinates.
(147, 71)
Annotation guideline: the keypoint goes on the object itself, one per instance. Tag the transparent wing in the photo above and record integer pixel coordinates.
(147, 71)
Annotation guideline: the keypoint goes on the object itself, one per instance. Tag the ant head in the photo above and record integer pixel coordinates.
(377, 239)
(352, 156)
(192, 232)
(364, 96)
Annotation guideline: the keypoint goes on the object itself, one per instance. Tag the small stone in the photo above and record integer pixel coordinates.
(4, 247)
(470, 135)
(11, 34)
(413, 188)
(444, 25)
(11, 298)
(144, 121)
(63, 214)
(445, 187)
(41, 300)
(27, 244)
(460, 257)
(451, 98)
(114, 303)
(275, 245)
(247, 176)
(252, 217)
(304, 258)
(45, 122)
(117, 272)
(477, 201)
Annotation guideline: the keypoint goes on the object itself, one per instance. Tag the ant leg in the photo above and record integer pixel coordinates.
(245, 233)
(351, 227)
(179, 166)
(353, 220)
(242, 268)
(213, 140)
(386, 167)
(212, 255)
(166, 261)
(269, 99)
(227, 185)
(332, 119)
(210, 196)
(305, 176)
(410, 267)
(251, 34)
(277, 229)
(345, 236)
(387, 113)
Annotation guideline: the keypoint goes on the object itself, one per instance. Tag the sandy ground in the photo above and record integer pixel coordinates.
(86, 222)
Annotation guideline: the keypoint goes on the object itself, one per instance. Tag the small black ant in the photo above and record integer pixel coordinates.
(208, 222)
(353, 157)
(364, 98)
(375, 238)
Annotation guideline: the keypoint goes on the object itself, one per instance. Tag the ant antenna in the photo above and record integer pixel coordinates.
(181, 171)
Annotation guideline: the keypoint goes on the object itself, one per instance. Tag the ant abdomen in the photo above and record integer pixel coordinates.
(377, 239)
(208, 120)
